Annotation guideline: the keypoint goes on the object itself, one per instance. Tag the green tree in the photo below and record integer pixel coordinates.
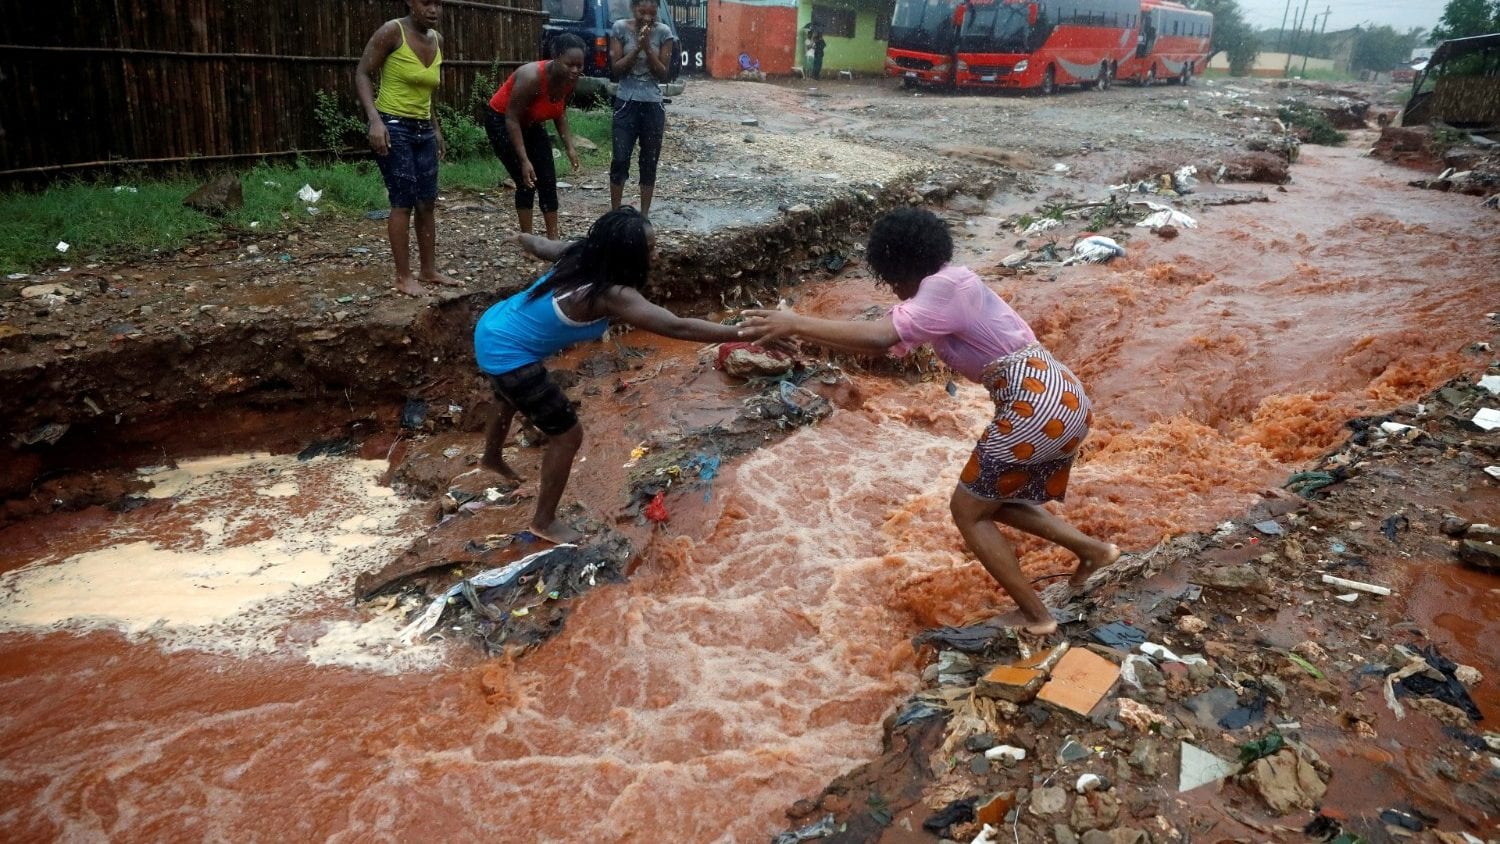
(1382, 48)
(1232, 35)
(1463, 18)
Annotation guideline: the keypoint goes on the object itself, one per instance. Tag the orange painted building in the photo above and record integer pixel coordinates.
(764, 31)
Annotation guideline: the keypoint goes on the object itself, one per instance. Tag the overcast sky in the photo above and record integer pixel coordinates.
(1401, 14)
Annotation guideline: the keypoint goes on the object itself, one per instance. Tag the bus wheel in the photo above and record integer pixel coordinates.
(908, 83)
(1105, 77)
(1187, 75)
(1049, 83)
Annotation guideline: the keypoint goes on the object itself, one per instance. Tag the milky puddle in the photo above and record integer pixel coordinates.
(253, 554)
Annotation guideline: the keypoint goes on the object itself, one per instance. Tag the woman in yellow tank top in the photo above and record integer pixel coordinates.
(405, 134)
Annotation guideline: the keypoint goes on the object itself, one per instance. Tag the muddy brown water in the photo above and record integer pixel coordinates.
(764, 634)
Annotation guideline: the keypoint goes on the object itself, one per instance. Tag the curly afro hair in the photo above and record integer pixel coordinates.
(907, 245)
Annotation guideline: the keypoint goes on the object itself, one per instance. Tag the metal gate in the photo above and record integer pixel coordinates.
(691, 17)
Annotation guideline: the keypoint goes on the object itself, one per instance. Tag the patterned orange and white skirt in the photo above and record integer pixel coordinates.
(1042, 415)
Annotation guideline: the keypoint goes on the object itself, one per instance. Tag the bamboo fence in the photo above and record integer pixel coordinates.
(92, 83)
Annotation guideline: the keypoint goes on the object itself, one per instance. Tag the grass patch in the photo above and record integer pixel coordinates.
(99, 222)
(1314, 125)
(95, 220)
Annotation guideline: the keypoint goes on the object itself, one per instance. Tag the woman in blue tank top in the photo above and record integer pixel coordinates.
(594, 280)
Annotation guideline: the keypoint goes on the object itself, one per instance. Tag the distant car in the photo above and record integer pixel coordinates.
(1403, 73)
(591, 20)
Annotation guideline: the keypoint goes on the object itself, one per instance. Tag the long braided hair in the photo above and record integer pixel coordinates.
(615, 253)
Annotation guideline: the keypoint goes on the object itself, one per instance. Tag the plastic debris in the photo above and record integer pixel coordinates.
(1395, 523)
(63, 246)
(1118, 634)
(1164, 215)
(976, 638)
(800, 400)
(414, 414)
(1269, 528)
(1006, 753)
(1266, 745)
(1199, 767)
(656, 511)
(821, 829)
(708, 469)
(1306, 666)
(636, 454)
(1042, 225)
(1307, 484)
(1060, 167)
(308, 195)
(956, 812)
(1441, 682)
(1183, 180)
(485, 579)
(1355, 585)
(988, 835)
(1490, 383)
(1087, 783)
(1096, 249)
(1161, 653)
(919, 710)
(1487, 418)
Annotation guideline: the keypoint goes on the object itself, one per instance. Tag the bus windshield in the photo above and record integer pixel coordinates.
(995, 28)
(923, 25)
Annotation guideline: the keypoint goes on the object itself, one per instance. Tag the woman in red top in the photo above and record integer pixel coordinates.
(532, 95)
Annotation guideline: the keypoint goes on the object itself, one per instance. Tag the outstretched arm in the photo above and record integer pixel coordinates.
(861, 337)
(541, 247)
(628, 305)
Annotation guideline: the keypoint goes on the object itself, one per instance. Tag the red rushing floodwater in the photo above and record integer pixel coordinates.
(760, 642)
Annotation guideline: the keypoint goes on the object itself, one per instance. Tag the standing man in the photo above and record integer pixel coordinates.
(640, 52)
(818, 46)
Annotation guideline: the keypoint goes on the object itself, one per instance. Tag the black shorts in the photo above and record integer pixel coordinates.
(531, 391)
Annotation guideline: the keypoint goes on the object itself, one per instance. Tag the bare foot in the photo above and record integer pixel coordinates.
(1088, 567)
(439, 278)
(1019, 620)
(498, 465)
(410, 286)
(558, 533)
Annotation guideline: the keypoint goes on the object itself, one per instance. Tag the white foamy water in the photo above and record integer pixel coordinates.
(251, 542)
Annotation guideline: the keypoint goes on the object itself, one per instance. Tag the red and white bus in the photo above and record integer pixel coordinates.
(1017, 44)
(1172, 43)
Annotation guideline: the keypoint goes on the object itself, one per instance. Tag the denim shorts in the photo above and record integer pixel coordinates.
(532, 391)
(636, 120)
(411, 167)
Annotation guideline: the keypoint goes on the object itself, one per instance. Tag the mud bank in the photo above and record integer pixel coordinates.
(102, 386)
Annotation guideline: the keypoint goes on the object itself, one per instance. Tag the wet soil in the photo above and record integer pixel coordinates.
(763, 634)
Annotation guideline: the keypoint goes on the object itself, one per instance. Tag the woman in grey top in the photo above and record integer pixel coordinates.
(640, 53)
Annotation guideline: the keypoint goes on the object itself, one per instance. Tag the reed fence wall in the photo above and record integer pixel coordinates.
(92, 83)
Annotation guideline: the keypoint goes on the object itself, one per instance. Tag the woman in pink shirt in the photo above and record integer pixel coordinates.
(1023, 458)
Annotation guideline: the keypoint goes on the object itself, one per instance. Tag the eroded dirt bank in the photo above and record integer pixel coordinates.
(763, 635)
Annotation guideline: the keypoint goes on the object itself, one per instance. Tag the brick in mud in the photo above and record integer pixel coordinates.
(1012, 683)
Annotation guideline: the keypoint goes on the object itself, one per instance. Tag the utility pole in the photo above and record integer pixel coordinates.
(1281, 33)
(1296, 36)
(1310, 29)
